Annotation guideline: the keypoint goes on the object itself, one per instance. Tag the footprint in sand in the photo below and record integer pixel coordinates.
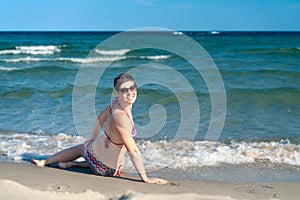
(174, 184)
(59, 187)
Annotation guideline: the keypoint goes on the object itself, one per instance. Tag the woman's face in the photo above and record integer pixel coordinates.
(127, 92)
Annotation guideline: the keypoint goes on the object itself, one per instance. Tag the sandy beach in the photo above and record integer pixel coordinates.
(28, 181)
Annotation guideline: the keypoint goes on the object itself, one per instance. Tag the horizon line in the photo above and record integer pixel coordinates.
(211, 30)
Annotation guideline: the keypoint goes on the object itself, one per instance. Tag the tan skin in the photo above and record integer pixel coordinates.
(119, 126)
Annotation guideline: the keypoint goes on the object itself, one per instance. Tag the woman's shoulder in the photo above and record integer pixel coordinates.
(120, 116)
(116, 111)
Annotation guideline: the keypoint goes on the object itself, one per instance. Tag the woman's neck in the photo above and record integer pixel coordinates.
(126, 106)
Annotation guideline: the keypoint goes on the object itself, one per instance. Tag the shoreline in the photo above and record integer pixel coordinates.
(53, 181)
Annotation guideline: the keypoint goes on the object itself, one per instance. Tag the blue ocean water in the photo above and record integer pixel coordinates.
(260, 72)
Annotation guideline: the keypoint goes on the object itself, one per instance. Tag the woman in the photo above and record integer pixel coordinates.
(105, 154)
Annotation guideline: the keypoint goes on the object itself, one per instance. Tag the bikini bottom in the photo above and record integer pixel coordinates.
(96, 165)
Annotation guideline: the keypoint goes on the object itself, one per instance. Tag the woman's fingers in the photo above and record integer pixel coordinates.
(159, 181)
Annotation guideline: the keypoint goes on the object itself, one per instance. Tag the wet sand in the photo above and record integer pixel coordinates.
(26, 181)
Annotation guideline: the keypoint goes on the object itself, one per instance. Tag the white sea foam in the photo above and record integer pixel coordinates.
(29, 59)
(67, 59)
(122, 52)
(177, 33)
(185, 154)
(16, 145)
(92, 59)
(24, 59)
(160, 154)
(8, 68)
(119, 52)
(32, 50)
(158, 57)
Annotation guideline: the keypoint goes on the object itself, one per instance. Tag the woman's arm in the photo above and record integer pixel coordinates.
(124, 127)
(101, 119)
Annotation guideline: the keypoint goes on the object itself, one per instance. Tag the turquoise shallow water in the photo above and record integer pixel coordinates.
(260, 72)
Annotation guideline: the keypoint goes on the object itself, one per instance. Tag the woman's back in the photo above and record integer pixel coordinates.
(108, 147)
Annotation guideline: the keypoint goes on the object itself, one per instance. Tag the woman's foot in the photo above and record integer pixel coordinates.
(39, 163)
(65, 165)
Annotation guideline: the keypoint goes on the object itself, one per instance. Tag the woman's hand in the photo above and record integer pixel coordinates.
(159, 181)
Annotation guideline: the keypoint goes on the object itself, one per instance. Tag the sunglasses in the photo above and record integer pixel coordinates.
(126, 90)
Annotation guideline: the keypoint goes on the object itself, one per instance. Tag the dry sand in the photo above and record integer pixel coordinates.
(26, 181)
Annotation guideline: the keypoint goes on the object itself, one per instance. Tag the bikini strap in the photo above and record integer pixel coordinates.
(112, 105)
(108, 139)
(131, 120)
(133, 131)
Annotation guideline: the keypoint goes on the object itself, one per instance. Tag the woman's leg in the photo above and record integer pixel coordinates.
(70, 164)
(66, 155)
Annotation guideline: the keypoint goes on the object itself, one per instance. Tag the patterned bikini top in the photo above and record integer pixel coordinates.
(133, 131)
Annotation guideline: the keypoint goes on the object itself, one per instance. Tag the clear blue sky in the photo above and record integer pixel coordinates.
(101, 15)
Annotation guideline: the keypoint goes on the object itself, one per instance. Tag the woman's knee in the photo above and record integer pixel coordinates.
(80, 149)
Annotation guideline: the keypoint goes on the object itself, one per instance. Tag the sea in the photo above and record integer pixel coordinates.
(242, 88)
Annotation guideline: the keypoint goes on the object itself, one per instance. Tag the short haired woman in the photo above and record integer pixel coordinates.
(105, 154)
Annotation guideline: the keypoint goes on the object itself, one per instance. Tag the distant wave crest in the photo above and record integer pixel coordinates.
(112, 52)
(32, 50)
(82, 60)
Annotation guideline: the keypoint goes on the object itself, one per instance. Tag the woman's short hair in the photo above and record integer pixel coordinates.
(122, 78)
